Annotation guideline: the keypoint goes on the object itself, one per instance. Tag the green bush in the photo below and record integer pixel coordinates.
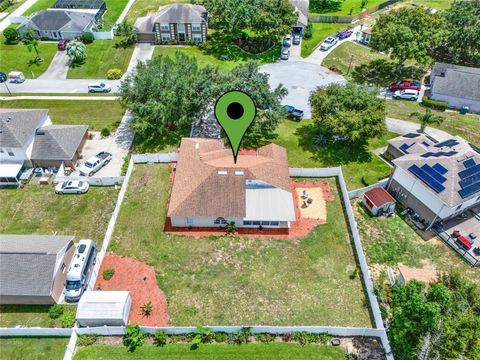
(114, 74)
(86, 340)
(190, 42)
(265, 338)
(220, 337)
(67, 320)
(126, 161)
(147, 309)
(105, 132)
(231, 227)
(11, 35)
(5, 5)
(301, 337)
(87, 38)
(133, 338)
(107, 273)
(436, 105)
(55, 311)
(160, 338)
(307, 34)
(172, 42)
(244, 334)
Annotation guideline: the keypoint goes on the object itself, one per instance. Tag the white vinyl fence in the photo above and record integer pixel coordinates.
(356, 193)
(103, 35)
(72, 344)
(92, 180)
(35, 332)
(154, 158)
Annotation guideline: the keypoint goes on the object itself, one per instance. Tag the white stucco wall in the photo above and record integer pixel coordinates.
(458, 102)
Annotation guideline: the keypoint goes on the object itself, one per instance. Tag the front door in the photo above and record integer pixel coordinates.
(181, 37)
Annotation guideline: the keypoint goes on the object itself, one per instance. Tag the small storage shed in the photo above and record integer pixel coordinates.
(379, 202)
(99, 308)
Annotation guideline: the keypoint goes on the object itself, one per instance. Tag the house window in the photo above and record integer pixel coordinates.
(10, 152)
(164, 26)
(196, 27)
(189, 221)
(62, 268)
(220, 221)
(256, 223)
(197, 38)
(165, 37)
(274, 223)
(181, 28)
(247, 223)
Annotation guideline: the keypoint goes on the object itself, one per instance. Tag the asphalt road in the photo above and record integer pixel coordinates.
(58, 86)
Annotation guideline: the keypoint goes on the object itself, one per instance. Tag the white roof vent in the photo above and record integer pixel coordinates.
(197, 146)
(222, 172)
(239, 173)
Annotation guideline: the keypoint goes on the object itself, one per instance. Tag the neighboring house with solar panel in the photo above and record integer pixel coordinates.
(436, 180)
(457, 85)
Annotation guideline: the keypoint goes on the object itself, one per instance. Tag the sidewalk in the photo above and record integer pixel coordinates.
(403, 127)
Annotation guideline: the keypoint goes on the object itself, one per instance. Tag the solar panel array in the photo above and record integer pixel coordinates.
(425, 143)
(431, 171)
(449, 143)
(427, 178)
(470, 179)
(440, 169)
(405, 147)
(440, 153)
(411, 135)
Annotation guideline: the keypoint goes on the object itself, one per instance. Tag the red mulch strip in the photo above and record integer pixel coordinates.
(299, 228)
(138, 278)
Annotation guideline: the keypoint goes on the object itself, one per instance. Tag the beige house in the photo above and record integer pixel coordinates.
(33, 268)
(210, 190)
(181, 22)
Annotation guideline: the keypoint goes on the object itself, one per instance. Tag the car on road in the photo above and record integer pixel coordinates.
(344, 34)
(16, 77)
(99, 87)
(287, 41)
(72, 187)
(95, 163)
(406, 94)
(285, 54)
(62, 44)
(405, 85)
(293, 112)
(296, 40)
(328, 43)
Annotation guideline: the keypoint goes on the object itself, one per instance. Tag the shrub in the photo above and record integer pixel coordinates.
(55, 311)
(190, 42)
(11, 35)
(265, 338)
(107, 273)
(126, 161)
(147, 308)
(244, 334)
(172, 42)
(436, 105)
(307, 34)
(86, 340)
(301, 337)
(67, 320)
(324, 338)
(5, 5)
(220, 337)
(354, 273)
(87, 38)
(133, 338)
(231, 227)
(160, 338)
(114, 74)
(106, 132)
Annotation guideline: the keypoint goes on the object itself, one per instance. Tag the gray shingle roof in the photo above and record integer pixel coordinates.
(17, 125)
(175, 13)
(58, 19)
(57, 142)
(27, 263)
(456, 81)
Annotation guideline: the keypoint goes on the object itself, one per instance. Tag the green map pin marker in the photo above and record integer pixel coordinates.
(235, 112)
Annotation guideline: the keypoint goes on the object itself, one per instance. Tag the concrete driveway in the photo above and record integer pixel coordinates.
(58, 68)
(300, 78)
(142, 52)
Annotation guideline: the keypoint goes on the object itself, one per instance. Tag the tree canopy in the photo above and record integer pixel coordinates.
(408, 34)
(351, 111)
(166, 94)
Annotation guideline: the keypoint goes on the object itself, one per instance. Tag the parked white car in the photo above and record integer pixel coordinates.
(99, 88)
(406, 94)
(95, 163)
(287, 40)
(328, 43)
(285, 54)
(72, 187)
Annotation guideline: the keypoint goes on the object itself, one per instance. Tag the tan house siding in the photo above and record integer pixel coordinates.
(61, 276)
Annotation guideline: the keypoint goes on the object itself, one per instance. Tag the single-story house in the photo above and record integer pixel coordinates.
(437, 180)
(104, 308)
(407, 274)
(28, 139)
(210, 190)
(58, 24)
(33, 268)
(457, 85)
(80, 5)
(379, 201)
(301, 7)
(365, 36)
(179, 22)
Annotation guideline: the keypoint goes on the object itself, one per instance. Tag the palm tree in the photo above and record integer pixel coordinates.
(427, 118)
(76, 51)
(30, 39)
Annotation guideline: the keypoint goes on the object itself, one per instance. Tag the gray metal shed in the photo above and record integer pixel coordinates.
(99, 308)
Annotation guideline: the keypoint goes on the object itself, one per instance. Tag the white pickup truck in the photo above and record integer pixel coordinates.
(95, 163)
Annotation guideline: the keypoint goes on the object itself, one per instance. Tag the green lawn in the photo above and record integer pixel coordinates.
(351, 55)
(29, 315)
(38, 6)
(454, 123)
(96, 114)
(357, 164)
(272, 351)
(202, 58)
(102, 55)
(18, 58)
(342, 7)
(228, 280)
(146, 7)
(13, 7)
(38, 210)
(390, 240)
(436, 4)
(320, 31)
(32, 348)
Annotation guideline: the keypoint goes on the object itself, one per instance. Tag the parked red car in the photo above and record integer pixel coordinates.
(405, 85)
(62, 44)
